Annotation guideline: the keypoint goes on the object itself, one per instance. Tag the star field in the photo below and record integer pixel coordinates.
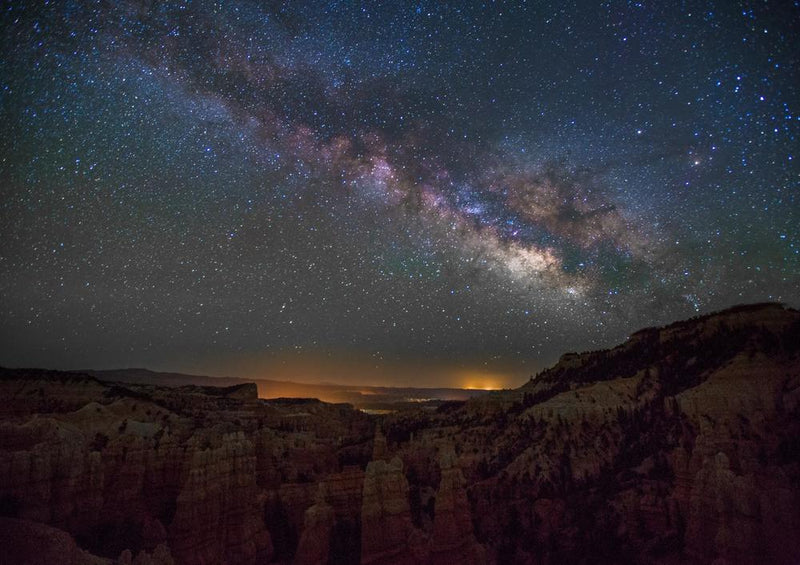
(411, 190)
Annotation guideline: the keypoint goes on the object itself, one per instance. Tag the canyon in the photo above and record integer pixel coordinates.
(680, 445)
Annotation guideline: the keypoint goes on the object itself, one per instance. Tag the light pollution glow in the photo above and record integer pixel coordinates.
(356, 370)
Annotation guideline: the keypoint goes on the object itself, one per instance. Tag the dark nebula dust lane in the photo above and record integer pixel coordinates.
(413, 192)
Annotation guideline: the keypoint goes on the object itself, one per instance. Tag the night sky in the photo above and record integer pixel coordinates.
(421, 193)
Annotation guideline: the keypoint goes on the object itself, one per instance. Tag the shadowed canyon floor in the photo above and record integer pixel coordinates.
(680, 445)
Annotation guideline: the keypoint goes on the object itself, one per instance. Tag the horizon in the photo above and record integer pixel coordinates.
(476, 382)
(263, 378)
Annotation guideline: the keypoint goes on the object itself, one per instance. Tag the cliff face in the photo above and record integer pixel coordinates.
(680, 445)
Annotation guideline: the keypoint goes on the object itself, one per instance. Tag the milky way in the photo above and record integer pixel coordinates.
(226, 187)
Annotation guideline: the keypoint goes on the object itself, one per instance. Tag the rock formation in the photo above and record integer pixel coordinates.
(137, 467)
(379, 447)
(387, 534)
(315, 542)
(217, 516)
(679, 445)
(453, 541)
(31, 543)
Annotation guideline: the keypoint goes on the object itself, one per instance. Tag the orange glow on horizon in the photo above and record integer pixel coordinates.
(482, 380)
(361, 371)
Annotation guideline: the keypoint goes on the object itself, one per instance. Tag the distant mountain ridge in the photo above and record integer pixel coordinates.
(360, 396)
(142, 376)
